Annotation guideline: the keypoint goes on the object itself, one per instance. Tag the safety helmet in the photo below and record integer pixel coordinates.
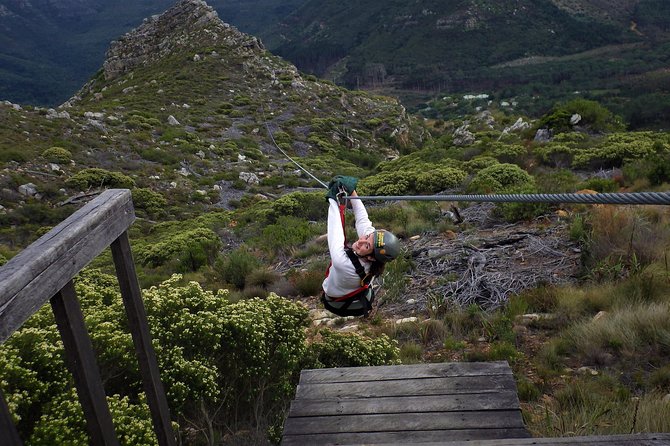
(386, 246)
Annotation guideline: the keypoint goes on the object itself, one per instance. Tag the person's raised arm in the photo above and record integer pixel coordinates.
(336, 235)
(363, 223)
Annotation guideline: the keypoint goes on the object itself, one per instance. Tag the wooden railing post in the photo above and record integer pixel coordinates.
(80, 358)
(10, 436)
(139, 328)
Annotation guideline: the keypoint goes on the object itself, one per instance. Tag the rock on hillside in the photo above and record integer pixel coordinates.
(190, 24)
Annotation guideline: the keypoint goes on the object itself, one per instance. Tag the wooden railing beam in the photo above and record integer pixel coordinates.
(139, 328)
(30, 278)
(81, 361)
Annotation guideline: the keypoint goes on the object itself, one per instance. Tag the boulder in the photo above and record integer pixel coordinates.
(249, 178)
(462, 136)
(575, 119)
(28, 190)
(518, 126)
(542, 135)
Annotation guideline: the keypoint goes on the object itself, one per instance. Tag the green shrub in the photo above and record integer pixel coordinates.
(660, 379)
(595, 117)
(139, 122)
(96, 177)
(437, 180)
(236, 267)
(556, 154)
(261, 277)
(235, 364)
(527, 390)
(308, 283)
(14, 154)
(57, 155)
(499, 178)
(600, 185)
(63, 422)
(410, 353)
(396, 278)
(148, 200)
(387, 183)
(478, 163)
(309, 206)
(330, 164)
(3, 260)
(508, 153)
(189, 249)
(557, 182)
(241, 100)
(515, 211)
(655, 167)
(351, 350)
(617, 148)
(286, 233)
(158, 155)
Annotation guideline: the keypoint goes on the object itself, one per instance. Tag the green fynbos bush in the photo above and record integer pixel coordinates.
(57, 155)
(96, 177)
(150, 201)
(499, 178)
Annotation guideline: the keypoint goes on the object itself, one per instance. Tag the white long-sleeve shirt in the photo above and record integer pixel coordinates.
(343, 279)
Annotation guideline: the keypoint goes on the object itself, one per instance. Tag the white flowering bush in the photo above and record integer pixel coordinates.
(333, 349)
(63, 422)
(225, 366)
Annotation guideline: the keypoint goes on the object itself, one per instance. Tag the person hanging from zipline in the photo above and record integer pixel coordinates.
(347, 289)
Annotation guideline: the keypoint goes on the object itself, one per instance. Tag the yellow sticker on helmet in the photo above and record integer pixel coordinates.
(380, 239)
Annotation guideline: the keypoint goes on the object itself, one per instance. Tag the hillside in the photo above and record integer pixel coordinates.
(415, 50)
(201, 101)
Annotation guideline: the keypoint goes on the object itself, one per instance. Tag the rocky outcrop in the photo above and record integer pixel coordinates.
(172, 31)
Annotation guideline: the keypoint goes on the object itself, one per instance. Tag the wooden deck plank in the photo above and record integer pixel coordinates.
(405, 405)
(436, 370)
(411, 387)
(499, 419)
(401, 404)
(647, 439)
(401, 437)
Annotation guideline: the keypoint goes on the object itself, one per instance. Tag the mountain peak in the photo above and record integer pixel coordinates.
(188, 23)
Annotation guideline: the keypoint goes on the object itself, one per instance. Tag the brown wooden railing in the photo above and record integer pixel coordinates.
(44, 272)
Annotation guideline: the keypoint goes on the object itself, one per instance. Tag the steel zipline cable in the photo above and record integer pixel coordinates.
(286, 154)
(657, 198)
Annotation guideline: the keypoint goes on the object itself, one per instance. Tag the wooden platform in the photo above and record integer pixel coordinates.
(405, 404)
(599, 440)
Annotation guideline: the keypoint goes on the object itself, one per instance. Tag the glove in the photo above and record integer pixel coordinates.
(349, 183)
(333, 189)
(341, 182)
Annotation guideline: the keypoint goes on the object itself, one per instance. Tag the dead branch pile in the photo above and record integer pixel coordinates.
(487, 266)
